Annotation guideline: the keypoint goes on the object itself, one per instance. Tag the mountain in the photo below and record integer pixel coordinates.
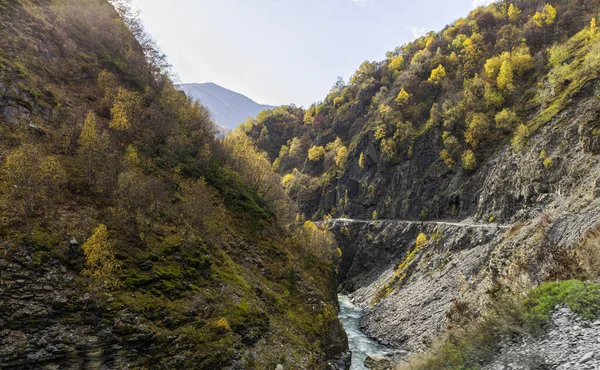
(460, 177)
(229, 109)
(131, 237)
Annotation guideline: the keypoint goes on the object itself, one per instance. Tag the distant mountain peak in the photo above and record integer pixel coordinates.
(229, 108)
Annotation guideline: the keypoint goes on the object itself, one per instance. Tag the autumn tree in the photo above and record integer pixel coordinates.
(362, 160)
(316, 153)
(447, 158)
(421, 241)
(469, 161)
(506, 120)
(124, 109)
(316, 241)
(478, 129)
(513, 13)
(30, 180)
(519, 141)
(593, 30)
(201, 212)
(546, 17)
(141, 199)
(437, 75)
(396, 63)
(402, 97)
(505, 78)
(341, 156)
(473, 51)
(92, 151)
(100, 257)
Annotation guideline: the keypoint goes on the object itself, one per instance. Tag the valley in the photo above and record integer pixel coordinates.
(438, 211)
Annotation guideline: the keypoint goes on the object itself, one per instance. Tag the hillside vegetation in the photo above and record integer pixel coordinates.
(412, 136)
(130, 236)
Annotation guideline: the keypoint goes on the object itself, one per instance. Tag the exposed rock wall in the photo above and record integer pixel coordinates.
(508, 186)
(454, 276)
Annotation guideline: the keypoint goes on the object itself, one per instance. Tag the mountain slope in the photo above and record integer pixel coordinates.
(229, 109)
(129, 236)
(493, 119)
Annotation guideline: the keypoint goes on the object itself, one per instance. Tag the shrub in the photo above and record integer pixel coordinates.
(447, 158)
(421, 240)
(222, 325)
(287, 179)
(519, 141)
(469, 162)
(362, 160)
(506, 120)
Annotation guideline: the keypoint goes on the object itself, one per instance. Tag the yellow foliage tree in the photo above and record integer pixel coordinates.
(593, 28)
(469, 161)
(513, 13)
(447, 158)
(505, 78)
(519, 141)
(421, 241)
(100, 257)
(478, 129)
(30, 180)
(316, 153)
(317, 241)
(362, 160)
(341, 156)
(123, 110)
(546, 16)
(396, 63)
(402, 97)
(437, 75)
(92, 146)
(506, 119)
(287, 180)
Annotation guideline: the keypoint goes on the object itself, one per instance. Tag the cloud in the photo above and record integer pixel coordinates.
(418, 32)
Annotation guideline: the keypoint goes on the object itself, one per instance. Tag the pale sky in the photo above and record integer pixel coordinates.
(287, 51)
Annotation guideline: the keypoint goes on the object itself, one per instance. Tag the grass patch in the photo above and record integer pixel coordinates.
(581, 297)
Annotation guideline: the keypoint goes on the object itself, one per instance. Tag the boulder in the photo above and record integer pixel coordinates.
(378, 362)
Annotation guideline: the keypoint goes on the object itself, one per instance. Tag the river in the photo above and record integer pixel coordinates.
(359, 343)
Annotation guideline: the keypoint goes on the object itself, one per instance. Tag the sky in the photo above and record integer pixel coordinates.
(287, 51)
